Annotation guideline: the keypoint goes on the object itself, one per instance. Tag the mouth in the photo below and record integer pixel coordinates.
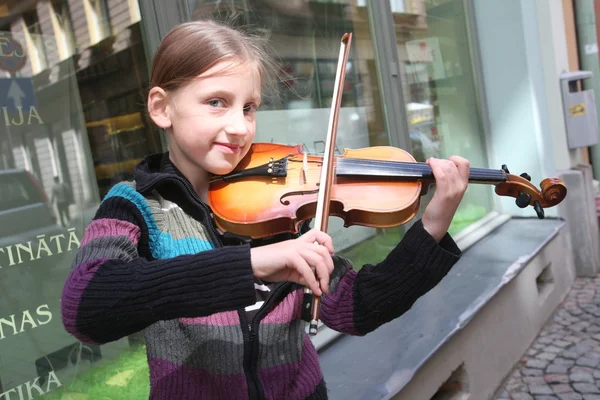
(229, 147)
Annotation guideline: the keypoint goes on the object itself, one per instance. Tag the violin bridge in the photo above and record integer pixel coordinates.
(305, 167)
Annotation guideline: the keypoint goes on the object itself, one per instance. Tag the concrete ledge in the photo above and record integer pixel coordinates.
(578, 210)
(464, 240)
(474, 326)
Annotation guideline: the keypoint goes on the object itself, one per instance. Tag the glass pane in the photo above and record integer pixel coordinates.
(73, 124)
(305, 41)
(434, 49)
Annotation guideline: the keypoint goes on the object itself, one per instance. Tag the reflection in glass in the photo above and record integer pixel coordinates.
(72, 95)
(434, 50)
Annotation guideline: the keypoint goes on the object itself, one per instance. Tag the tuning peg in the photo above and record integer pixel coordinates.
(523, 200)
(538, 209)
(505, 168)
(526, 176)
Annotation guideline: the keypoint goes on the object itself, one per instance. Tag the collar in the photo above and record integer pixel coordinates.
(153, 169)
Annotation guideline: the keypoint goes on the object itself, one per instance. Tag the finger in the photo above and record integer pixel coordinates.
(324, 267)
(310, 236)
(327, 259)
(455, 183)
(325, 240)
(438, 172)
(324, 279)
(307, 276)
(314, 254)
(315, 235)
(464, 167)
(452, 184)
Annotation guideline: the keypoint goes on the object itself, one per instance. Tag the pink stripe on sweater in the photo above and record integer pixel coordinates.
(111, 227)
(226, 318)
(71, 296)
(172, 381)
(337, 308)
(286, 311)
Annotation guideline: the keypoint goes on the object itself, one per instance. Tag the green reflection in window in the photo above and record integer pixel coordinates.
(374, 249)
(468, 214)
(126, 377)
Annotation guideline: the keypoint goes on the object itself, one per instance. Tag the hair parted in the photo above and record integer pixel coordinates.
(192, 48)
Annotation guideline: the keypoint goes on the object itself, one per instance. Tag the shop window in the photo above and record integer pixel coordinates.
(440, 94)
(71, 130)
(63, 28)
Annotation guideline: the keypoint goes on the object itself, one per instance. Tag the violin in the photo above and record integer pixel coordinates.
(276, 187)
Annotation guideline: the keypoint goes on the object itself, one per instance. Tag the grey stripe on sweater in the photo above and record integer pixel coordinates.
(280, 343)
(216, 349)
(219, 350)
(171, 218)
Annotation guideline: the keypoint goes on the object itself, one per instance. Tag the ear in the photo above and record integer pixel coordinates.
(157, 107)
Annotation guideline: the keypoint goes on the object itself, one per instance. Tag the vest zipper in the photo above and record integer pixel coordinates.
(255, 389)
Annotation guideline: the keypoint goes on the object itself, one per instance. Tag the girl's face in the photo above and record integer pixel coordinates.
(213, 118)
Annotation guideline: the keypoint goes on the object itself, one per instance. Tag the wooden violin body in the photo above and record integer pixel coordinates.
(259, 206)
(275, 188)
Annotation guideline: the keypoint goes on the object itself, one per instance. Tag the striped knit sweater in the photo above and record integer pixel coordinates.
(151, 260)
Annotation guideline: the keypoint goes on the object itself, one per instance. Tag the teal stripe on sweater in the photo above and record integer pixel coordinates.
(164, 244)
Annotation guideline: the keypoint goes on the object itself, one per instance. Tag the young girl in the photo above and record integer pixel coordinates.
(223, 321)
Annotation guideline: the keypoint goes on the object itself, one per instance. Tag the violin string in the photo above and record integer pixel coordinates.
(475, 175)
(410, 169)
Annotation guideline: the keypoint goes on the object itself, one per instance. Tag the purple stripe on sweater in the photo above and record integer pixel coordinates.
(287, 310)
(111, 227)
(293, 381)
(172, 381)
(337, 308)
(73, 292)
(227, 318)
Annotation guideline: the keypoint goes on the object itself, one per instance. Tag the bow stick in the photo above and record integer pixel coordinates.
(327, 176)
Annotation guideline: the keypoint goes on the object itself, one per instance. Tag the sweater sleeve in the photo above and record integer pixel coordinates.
(113, 292)
(361, 301)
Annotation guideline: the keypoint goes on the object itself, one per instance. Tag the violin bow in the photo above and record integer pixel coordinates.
(327, 175)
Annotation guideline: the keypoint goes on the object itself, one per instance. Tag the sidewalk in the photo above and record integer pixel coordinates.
(564, 360)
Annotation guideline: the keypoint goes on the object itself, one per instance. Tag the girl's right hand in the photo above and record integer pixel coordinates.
(296, 260)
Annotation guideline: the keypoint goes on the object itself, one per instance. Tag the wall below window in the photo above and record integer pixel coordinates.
(473, 326)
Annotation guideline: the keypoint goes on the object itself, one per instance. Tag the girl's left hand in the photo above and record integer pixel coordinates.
(451, 181)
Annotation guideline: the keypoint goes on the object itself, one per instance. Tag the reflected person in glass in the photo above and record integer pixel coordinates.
(222, 318)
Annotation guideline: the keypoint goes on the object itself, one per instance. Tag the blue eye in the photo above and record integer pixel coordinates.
(215, 103)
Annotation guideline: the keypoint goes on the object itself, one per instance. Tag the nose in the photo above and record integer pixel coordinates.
(237, 124)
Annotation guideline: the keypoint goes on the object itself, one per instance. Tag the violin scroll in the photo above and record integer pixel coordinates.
(553, 191)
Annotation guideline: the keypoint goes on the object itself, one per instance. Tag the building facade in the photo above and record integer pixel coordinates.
(433, 77)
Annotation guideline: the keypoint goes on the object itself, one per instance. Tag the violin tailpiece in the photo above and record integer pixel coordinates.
(274, 168)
